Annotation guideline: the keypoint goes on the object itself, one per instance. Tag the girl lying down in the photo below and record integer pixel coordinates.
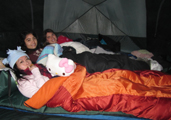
(30, 76)
(144, 94)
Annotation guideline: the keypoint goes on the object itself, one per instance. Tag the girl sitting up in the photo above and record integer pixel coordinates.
(29, 43)
(30, 76)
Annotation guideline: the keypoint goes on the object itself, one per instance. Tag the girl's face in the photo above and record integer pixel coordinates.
(30, 41)
(51, 37)
(23, 63)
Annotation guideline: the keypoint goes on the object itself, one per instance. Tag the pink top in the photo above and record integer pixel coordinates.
(29, 86)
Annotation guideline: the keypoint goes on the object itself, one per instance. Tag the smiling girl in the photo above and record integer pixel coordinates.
(29, 43)
(30, 76)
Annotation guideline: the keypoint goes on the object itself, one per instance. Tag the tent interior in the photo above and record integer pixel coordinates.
(136, 24)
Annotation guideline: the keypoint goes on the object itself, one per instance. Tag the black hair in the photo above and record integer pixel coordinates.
(18, 73)
(21, 41)
(44, 36)
(46, 31)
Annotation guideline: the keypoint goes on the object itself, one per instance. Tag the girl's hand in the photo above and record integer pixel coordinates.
(31, 67)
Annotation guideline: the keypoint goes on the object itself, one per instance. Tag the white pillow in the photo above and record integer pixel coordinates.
(79, 47)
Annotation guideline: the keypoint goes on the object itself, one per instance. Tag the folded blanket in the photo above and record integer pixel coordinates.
(55, 49)
(142, 53)
(144, 94)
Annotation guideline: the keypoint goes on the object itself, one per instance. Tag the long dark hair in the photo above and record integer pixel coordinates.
(18, 73)
(21, 41)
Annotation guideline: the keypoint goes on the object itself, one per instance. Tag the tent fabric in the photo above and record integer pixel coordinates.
(144, 22)
(159, 27)
(135, 24)
(111, 17)
(18, 16)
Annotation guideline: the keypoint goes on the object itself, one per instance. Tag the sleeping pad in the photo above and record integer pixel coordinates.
(144, 94)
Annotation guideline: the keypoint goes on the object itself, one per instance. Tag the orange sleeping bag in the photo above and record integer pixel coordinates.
(144, 94)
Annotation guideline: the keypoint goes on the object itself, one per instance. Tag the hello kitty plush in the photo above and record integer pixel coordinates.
(60, 66)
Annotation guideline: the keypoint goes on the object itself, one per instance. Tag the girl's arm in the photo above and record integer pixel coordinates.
(30, 85)
(38, 78)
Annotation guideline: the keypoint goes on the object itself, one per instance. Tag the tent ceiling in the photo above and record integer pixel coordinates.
(116, 16)
(98, 22)
(94, 2)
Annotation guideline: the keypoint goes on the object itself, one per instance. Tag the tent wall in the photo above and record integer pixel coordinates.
(150, 28)
(17, 16)
(159, 27)
(108, 17)
(111, 17)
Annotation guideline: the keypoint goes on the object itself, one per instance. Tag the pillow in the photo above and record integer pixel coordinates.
(79, 47)
(4, 81)
(55, 49)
